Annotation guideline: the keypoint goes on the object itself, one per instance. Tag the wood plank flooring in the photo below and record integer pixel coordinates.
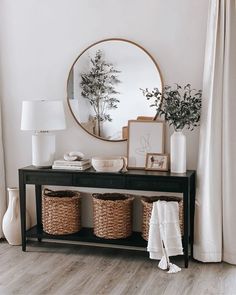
(54, 269)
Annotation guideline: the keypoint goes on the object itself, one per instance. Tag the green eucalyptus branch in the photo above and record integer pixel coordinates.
(180, 107)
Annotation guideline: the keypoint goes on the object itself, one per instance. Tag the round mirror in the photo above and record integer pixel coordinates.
(104, 87)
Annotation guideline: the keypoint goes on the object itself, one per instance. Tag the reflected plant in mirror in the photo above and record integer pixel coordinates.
(103, 87)
(98, 87)
(180, 107)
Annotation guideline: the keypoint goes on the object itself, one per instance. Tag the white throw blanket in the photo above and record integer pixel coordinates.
(164, 234)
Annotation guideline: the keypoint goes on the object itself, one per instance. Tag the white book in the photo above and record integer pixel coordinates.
(71, 163)
(80, 168)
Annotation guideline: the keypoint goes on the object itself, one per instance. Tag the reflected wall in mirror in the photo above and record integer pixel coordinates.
(104, 84)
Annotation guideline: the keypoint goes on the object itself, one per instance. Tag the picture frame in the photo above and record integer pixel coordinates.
(157, 162)
(144, 136)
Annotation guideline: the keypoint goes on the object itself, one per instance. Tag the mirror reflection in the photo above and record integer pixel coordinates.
(104, 87)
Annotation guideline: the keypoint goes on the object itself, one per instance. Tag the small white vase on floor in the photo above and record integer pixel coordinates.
(178, 152)
(11, 224)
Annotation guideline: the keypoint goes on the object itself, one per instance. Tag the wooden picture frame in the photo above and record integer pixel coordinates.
(144, 137)
(157, 162)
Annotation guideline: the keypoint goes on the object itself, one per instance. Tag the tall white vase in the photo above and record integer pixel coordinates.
(11, 224)
(178, 152)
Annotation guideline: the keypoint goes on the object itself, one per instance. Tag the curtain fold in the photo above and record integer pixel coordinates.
(215, 216)
(2, 179)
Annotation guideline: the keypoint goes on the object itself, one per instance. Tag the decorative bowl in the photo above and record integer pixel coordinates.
(108, 164)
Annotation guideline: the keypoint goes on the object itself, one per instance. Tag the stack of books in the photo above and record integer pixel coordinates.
(72, 165)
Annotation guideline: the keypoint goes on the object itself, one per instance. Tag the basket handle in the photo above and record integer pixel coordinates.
(62, 193)
(46, 191)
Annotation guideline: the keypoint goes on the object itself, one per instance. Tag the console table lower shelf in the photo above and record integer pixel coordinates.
(86, 235)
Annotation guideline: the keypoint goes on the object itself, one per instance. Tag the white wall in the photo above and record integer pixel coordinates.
(41, 39)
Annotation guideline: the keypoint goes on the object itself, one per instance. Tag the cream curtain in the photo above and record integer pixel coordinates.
(215, 213)
(2, 179)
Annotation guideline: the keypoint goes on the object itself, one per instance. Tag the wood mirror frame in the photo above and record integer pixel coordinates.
(76, 103)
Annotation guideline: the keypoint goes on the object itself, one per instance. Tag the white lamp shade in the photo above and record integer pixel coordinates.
(43, 115)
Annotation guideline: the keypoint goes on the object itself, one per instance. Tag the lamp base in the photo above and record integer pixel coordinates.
(43, 149)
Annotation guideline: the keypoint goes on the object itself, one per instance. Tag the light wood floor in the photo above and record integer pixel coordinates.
(67, 270)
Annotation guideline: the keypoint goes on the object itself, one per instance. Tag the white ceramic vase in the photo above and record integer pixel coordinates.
(11, 224)
(178, 152)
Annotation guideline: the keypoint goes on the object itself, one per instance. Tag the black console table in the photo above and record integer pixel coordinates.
(131, 180)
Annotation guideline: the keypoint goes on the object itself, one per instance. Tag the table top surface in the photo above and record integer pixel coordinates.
(137, 172)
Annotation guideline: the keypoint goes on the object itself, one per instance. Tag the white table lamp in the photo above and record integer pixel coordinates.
(43, 116)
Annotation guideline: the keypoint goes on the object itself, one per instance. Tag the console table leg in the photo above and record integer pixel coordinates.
(186, 258)
(192, 212)
(38, 194)
(22, 190)
(186, 197)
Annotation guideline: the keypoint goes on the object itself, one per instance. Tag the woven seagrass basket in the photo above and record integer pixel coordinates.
(147, 211)
(112, 215)
(61, 212)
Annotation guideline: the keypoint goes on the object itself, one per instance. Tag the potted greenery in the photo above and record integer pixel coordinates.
(180, 107)
(98, 87)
